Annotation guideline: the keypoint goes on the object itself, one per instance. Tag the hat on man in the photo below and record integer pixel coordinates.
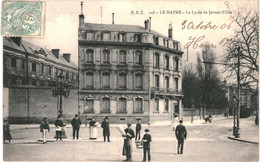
(181, 121)
(147, 130)
(128, 124)
(106, 117)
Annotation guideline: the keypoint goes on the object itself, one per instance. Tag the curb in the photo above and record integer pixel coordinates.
(236, 139)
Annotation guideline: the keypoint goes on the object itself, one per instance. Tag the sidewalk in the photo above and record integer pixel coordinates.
(249, 132)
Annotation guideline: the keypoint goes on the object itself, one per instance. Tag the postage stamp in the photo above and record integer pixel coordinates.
(23, 18)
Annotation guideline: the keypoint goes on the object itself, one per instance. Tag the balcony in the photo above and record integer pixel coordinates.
(166, 91)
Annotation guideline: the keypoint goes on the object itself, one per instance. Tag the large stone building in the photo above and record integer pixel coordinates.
(128, 72)
(28, 70)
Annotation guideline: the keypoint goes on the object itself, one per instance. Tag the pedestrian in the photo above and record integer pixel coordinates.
(175, 121)
(7, 134)
(58, 126)
(138, 128)
(45, 128)
(181, 134)
(106, 131)
(93, 129)
(127, 149)
(147, 138)
(76, 122)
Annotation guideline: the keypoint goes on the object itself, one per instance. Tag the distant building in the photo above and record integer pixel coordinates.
(128, 72)
(28, 71)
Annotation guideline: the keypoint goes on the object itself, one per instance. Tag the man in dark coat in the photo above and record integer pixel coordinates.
(58, 124)
(127, 149)
(138, 128)
(106, 131)
(7, 134)
(181, 134)
(76, 122)
(146, 144)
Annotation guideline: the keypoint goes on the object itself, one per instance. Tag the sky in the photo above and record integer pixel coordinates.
(61, 28)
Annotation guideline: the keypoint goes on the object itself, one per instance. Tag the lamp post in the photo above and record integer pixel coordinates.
(61, 88)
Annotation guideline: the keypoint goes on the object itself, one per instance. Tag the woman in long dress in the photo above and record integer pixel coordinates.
(93, 129)
(7, 134)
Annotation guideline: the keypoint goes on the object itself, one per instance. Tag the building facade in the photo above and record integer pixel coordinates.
(128, 72)
(28, 71)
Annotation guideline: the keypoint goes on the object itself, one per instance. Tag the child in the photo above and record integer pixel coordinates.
(138, 128)
(7, 134)
(146, 144)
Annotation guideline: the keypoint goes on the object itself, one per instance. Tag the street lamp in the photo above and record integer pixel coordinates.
(61, 88)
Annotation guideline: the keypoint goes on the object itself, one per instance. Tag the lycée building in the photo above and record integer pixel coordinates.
(128, 72)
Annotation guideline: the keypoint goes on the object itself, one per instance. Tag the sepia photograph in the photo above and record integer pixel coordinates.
(133, 80)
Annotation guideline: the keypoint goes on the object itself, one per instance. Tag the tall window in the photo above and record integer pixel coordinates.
(50, 70)
(166, 105)
(156, 81)
(90, 36)
(106, 80)
(42, 68)
(138, 58)
(176, 83)
(13, 62)
(56, 72)
(138, 105)
(167, 82)
(89, 106)
(139, 81)
(106, 57)
(105, 36)
(122, 105)
(89, 56)
(166, 62)
(33, 66)
(157, 60)
(156, 105)
(122, 80)
(156, 40)
(176, 64)
(122, 57)
(121, 37)
(105, 105)
(139, 38)
(164, 42)
(22, 64)
(67, 76)
(89, 80)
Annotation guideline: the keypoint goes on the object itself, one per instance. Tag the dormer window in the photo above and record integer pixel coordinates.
(138, 38)
(105, 36)
(156, 40)
(90, 36)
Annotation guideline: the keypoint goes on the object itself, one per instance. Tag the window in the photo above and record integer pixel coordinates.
(13, 62)
(105, 105)
(89, 56)
(176, 64)
(33, 66)
(138, 58)
(156, 105)
(157, 60)
(67, 76)
(139, 38)
(121, 37)
(90, 36)
(122, 80)
(33, 82)
(105, 36)
(167, 82)
(156, 81)
(106, 80)
(13, 81)
(139, 81)
(89, 106)
(56, 72)
(138, 105)
(22, 64)
(166, 62)
(156, 40)
(42, 69)
(122, 105)
(89, 80)
(122, 57)
(106, 57)
(164, 42)
(166, 105)
(167, 43)
(176, 83)
(50, 70)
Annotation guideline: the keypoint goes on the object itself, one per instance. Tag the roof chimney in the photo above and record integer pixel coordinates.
(113, 18)
(17, 40)
(146, 24)
(66, 56)
(81, 16)
(170, 31)
(56, 53)
(150, 24)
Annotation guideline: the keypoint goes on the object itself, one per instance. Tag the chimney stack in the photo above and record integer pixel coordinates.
(56, 53)
(146, 24)
(113, 18)
(170, 31)
(150, 24)
(66, 56)
(81, 16)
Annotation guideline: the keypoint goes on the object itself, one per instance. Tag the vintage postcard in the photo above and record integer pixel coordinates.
(133, 80)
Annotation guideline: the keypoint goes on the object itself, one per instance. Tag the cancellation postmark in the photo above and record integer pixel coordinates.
(23, 18)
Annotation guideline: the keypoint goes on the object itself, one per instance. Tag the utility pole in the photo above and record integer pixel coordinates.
(237, 135)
